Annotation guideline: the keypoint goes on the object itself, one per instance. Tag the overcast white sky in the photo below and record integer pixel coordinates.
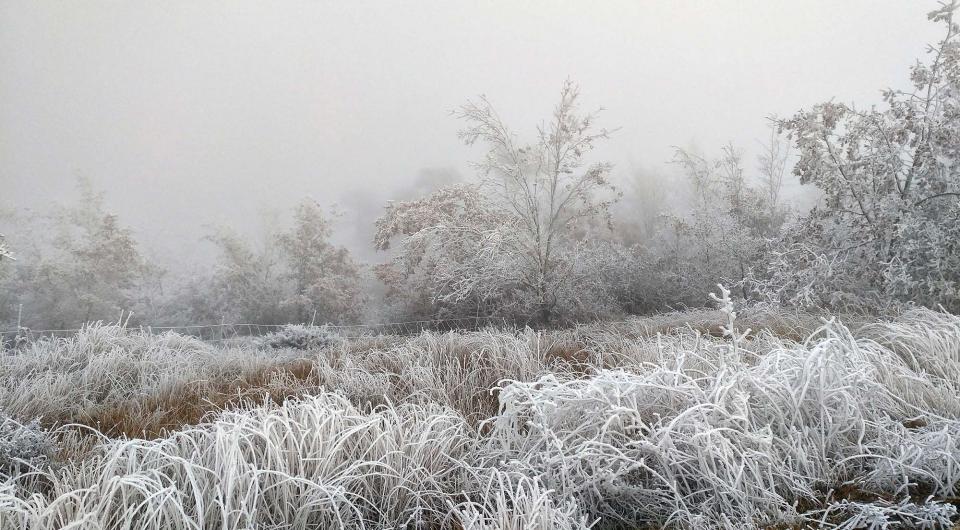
(196, 112)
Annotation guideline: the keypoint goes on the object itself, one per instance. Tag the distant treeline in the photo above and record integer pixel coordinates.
(542, 235)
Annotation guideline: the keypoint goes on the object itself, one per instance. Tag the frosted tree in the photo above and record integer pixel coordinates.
(723, 233)
(772, 164)
(108, 267)
(325, 279)
(290, 275)
(456, 254)
(246, 284)
(646, 200)
(548, 186)
(506, 241)
(87, 267)
(889, 222)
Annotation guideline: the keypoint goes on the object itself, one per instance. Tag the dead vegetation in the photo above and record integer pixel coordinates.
(190, 403)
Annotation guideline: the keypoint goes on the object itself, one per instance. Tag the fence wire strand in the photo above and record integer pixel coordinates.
(223, 332)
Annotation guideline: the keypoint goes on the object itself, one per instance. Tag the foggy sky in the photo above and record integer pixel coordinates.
(201, 112)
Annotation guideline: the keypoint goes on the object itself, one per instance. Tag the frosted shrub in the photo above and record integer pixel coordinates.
(886, 228)
(300, 337)
(23, 446)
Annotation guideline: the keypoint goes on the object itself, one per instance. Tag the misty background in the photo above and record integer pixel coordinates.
(190, 115)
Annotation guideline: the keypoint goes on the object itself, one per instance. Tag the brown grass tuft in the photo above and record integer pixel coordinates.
(154, 416)
(571, 356)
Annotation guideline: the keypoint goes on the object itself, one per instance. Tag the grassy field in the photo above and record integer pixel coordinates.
(791, 420)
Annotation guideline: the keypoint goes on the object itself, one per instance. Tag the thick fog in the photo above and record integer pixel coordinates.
(357, 264)
(192, 114)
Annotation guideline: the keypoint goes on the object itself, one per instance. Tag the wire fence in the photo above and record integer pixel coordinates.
(224, 332)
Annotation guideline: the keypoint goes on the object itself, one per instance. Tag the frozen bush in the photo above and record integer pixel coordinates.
(300, 337)
(23, 446)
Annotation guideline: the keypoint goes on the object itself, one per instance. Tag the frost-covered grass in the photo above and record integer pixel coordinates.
(130, 377)
(661, 422)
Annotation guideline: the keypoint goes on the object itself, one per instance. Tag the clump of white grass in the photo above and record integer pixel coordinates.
(925, 459)
(457, 369)
(653, 449)
(105, 365)
(739, 444)
(313, 463)
(880, 515)
(515, 502)
(927, 341)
